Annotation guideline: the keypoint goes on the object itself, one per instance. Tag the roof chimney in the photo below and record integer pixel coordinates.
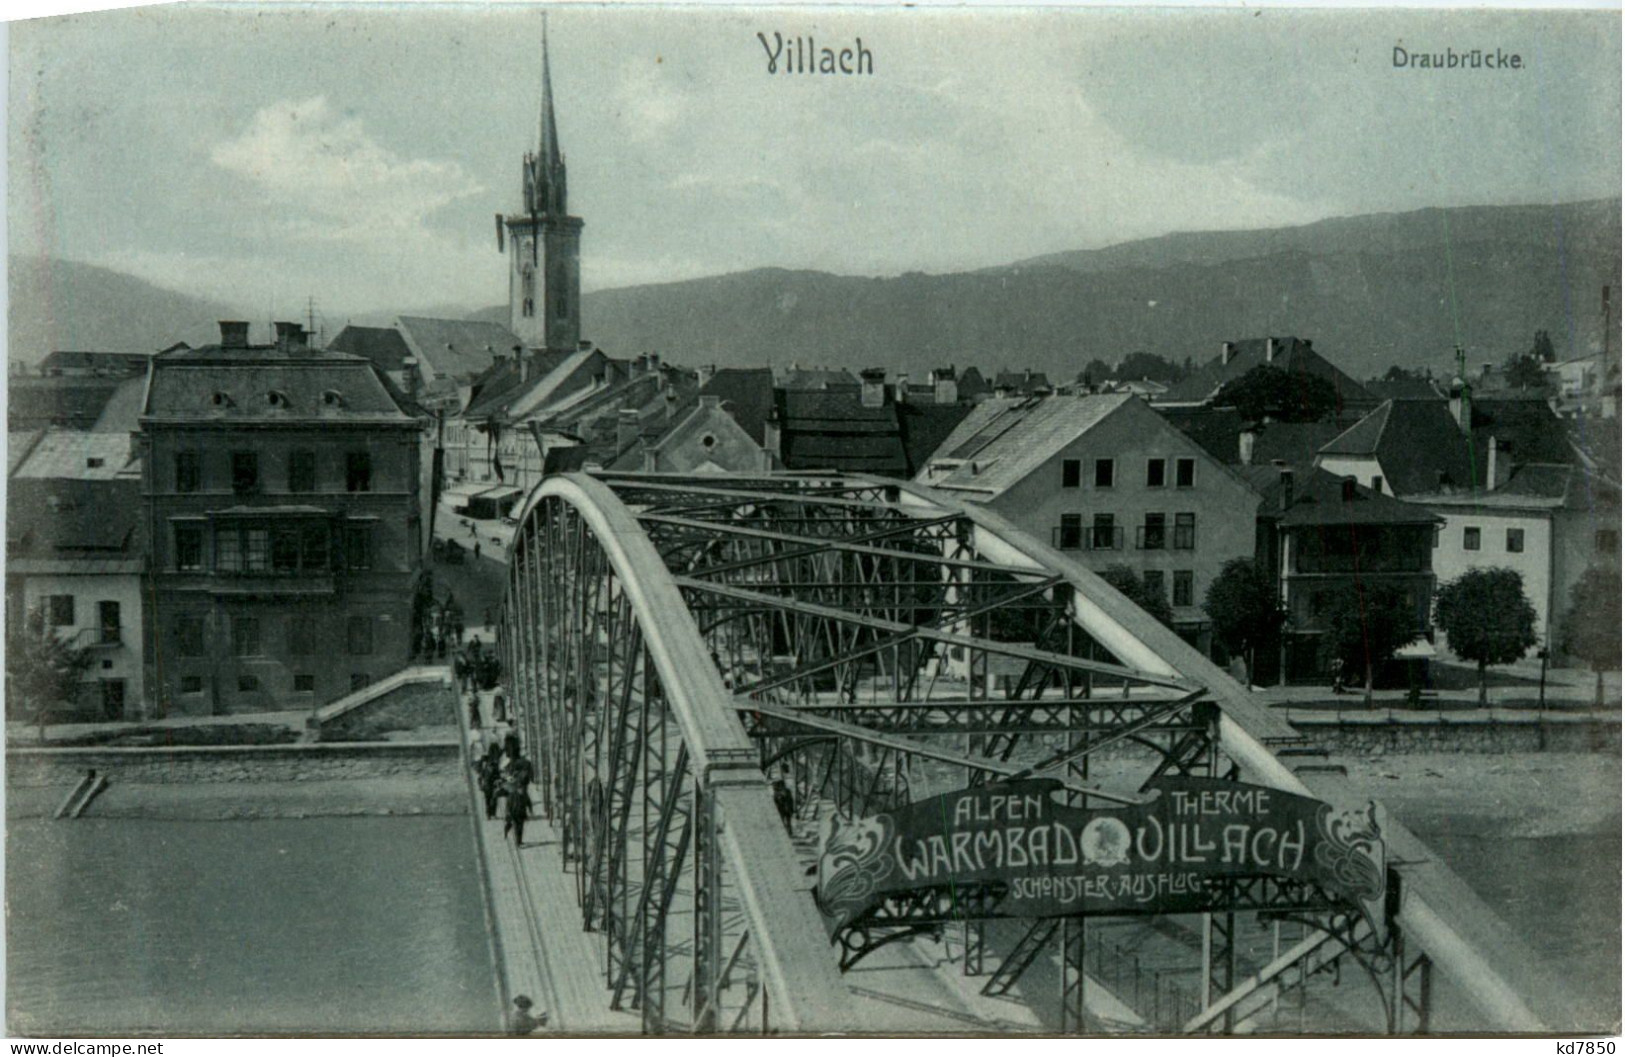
(1269, 350)
(1461, 405)
(902, 387)
(233, 334)
(1286, 489)
(1500, 465)
(1349, 489)
(286, 334)
(1246, 439)
(874, 387)
(1227, 352)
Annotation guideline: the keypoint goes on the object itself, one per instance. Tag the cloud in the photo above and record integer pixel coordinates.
(335, 180)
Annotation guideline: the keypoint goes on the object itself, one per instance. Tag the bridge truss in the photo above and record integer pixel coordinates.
(674, 645)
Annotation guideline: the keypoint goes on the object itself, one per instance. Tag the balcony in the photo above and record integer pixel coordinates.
(1090, 538)
(91, 638)
(1151, 538)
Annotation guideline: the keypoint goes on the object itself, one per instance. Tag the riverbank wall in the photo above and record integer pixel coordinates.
(1382, 734)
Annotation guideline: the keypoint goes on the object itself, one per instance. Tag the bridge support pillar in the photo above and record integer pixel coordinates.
(1074, 1012)
(1219, 962)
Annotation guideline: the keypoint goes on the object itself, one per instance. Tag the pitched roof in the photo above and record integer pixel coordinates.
(382, 345)
(1027, 382)
(814, 378)
(1218, 430)
(77, 455)
(1528, 428)
(1322, 498)
(19, 445)
(456, 348)
(1542, 486)
(972, 384)
(1293, 355)
(122, 412)
(925, 427)
(1004, 439)
(831, 429)
(72, 518)
(115, 362)
(67, 400)
(263, 384)
(1417, 443)
(1403, 389)
(746, 394)
(507, 381)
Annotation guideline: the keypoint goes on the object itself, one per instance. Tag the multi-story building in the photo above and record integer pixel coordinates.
(282, 490)
(74, 554)
(1319, 533)
(1109, 480)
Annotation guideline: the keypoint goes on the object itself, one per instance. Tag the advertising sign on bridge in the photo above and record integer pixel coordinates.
(1164, 856)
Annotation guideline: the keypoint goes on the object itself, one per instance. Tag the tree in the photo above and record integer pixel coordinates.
(1488, 619)
(1590, 629)
(1368, 623)
(43, 670)
(1096, 372)
(1132, 585)
(1137, 365)
(1269, 392)
(1524, 372)
(1244, 609)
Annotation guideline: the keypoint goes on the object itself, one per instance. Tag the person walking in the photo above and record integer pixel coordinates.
(785, 801)
(490, 774)
(518, 812)
(522, 1021)
(473, 711)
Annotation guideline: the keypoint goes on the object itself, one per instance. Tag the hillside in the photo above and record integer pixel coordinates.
(59, 304)
(1370, 291)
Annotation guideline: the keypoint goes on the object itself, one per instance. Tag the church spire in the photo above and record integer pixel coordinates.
(544, 176)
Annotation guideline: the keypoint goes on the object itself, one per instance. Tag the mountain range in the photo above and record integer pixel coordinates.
(1370, 291)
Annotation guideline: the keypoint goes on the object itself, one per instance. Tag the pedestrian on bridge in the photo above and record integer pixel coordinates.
(518, 812)
(489, 768)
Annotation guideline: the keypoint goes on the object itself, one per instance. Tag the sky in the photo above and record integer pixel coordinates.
(266, 154)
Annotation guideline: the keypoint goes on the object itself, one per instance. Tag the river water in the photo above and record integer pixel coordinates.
(329, 925)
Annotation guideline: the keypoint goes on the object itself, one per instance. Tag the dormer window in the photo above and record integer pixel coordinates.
(332, 398)
(277, 398)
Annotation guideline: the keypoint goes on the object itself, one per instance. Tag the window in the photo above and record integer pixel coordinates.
(1376, 483)
(189, 636)
(245, 472)
(1071, 473)
(301, 635)
(247, 684)
(1154, 533)
(1105, 533)
(59, 610)
(360, 636)
(358, 471)
(1185, 473)
(228, 550)
(1184, 532)
(1607, 541)
(285, 550)
(1070, 534)
(304, 683)
(1103, 473)
(191, 684)
(358, 547)
(302, 471)
(1153, 583)
(245, 636)
(256, 550)
(359, 681)
(1514, 541)
(1156, 470)
(1469, 539)
(110, 623)
(188, 547)
(1184, 587)
(313, 548)
(188, 471)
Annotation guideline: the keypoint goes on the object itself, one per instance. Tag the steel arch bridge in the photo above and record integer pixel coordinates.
(672, 641)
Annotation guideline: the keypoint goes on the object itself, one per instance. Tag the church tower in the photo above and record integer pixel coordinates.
(544, 244)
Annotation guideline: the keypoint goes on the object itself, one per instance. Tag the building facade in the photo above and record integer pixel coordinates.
(281, 487)
(1105, 479)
